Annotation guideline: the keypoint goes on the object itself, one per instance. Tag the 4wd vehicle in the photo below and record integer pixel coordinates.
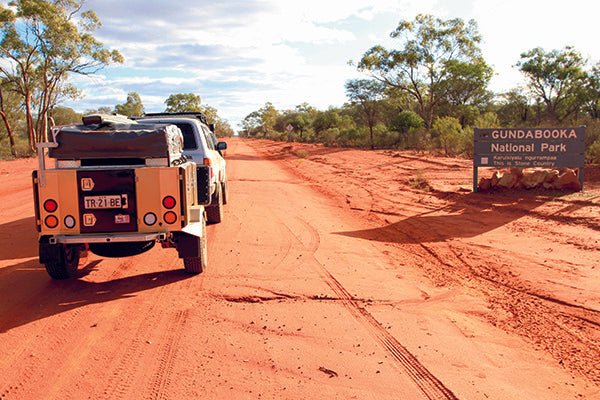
(118, 187)
(201, 144)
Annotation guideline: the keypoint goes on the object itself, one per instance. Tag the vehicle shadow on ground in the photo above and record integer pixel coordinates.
(474, 214)
(19, 239)
(48, 297)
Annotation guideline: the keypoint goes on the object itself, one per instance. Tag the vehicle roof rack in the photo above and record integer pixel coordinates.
(196, 114)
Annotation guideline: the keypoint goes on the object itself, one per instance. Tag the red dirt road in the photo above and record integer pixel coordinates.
(336, 274)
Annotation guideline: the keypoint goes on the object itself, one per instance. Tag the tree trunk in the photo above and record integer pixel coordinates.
(30, 127)
(371, 134)
(9, 131)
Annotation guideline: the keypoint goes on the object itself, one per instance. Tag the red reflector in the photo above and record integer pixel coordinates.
(207, 161)
(51, 221)
(50, 205)
(170, 217)
(169, 202)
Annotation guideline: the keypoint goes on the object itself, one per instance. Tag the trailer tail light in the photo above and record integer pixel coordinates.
(51, 221)
(70, 221)
(170, 217)
(169, 202)
(50, 205)
(150, 219)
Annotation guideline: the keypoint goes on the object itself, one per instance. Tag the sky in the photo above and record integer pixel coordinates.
(237, 55)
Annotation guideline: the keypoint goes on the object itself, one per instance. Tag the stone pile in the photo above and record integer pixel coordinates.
(532, 178)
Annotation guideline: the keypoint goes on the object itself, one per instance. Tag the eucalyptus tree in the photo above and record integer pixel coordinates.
(556, 78)
(432, 56)
(367, 94)
(183, 102)
(133, 106)
(44, 41)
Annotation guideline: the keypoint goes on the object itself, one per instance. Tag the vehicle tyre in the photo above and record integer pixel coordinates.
(214, 212)
(125, 249)
(65, 263)
(225, 191)
(194, 263)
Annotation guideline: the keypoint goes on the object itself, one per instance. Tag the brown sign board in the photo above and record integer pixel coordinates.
(529, 147)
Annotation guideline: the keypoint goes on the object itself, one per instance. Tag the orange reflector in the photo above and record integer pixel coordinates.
(169, 202)
(207, 161)
(50, 205)
(170, 217)
(51, 221)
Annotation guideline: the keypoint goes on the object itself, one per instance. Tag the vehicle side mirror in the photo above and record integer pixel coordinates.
(222, 146)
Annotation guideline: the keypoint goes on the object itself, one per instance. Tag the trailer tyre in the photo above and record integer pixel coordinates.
(214, 212)
(65, 263)
(195, 259)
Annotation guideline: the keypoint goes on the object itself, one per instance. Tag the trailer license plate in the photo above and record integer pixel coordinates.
(102, 202)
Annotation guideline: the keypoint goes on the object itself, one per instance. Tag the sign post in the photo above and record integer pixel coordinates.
(529, 147)
(289, 128)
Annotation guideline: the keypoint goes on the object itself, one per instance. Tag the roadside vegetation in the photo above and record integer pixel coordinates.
(427, 93)
(431, 90)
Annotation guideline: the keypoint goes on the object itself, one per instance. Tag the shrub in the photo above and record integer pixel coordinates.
(450, 134)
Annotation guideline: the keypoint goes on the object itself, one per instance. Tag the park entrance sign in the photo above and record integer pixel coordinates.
(529, 147)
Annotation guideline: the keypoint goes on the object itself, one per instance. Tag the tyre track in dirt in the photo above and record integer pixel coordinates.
(568, 332)
(55, 336)
(161, 379)
(129, 359)
(430, 386)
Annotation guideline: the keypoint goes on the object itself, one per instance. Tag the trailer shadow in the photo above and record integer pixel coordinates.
(19, 239)
(44, 297)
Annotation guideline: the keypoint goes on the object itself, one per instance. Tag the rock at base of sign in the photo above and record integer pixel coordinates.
(568, 180)
(531, 178)
(509, 179)
(485, 184)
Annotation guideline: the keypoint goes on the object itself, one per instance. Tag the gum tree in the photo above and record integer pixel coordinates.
(557, 79)
(427, 64)
(367, 94)
(44, 42)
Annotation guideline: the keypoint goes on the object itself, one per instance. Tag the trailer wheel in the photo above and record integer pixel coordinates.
(214, 212)
(65, 263)
(193, 251)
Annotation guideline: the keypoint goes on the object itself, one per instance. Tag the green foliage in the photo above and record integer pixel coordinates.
(557, 79)
(132, 107)
(592, 154)
(353, 138)
(406, 121)
(222, 127)
(65, 115)
(261, 122)
(433, 59)
(44, 42)
(183, 102)
(450, 135)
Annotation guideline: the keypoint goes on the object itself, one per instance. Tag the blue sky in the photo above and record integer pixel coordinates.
(237, 54)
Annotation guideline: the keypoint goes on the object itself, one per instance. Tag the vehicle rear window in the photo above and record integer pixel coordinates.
(189, 141)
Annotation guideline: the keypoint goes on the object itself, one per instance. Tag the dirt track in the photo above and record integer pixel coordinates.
(336, 274)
